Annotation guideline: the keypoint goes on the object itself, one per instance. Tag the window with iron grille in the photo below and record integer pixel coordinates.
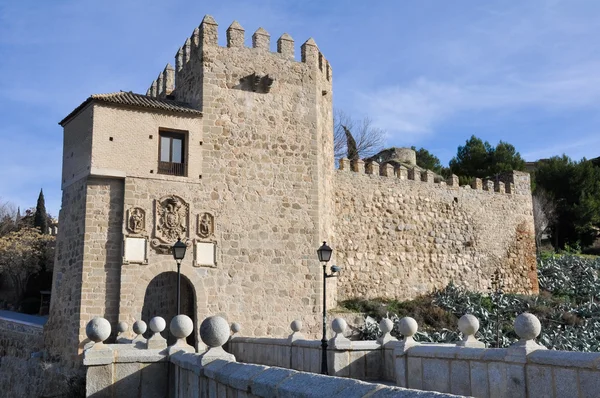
(171, 153)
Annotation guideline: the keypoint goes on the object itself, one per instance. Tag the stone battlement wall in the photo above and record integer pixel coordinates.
(398, 234)
(206, 35)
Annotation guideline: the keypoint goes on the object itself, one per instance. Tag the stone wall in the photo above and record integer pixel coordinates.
(102, 254)
(398, 237)
(61, 332)
(19, 339)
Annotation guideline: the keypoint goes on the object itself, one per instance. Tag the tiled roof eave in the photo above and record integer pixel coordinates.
(135, 101)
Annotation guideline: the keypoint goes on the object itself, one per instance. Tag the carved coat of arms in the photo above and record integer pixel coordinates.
(206, 225)
(136, 220)
(172, 214)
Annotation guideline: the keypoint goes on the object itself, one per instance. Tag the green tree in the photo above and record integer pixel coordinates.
(427, 160)
(40, 218)
(575, 189)
(479, 159)
(24, 253)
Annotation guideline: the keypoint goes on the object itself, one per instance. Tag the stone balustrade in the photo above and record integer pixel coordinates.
(290, 366)
(525, 369)
(150, 368)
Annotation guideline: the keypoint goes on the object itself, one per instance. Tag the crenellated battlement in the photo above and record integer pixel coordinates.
(515, 182)
(205, 37)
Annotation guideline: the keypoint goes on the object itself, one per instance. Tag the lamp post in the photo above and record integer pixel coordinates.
(324, 253)
(178, 254)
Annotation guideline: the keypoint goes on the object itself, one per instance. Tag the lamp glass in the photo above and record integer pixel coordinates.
(179, 250)
(324, 253)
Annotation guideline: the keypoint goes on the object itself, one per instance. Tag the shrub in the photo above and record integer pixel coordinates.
(568, 308)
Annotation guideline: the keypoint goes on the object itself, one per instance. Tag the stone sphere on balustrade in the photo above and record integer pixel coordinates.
(214, 331)
(339, 325)
(408, 326)
(122, 327)
(527, 326)
(139, 327)
(158, 324)
(468, 324)
(236, 327)
(98, 329)
(296, 325)
(181, 326)
(386, 325)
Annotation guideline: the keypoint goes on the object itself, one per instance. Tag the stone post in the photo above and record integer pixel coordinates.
(528, 327)
(261, 39)
(208, 32)
(408, 328)
(386, 170)
(344, 164)
(214, 332)
(469, 325)
(338, 355)
(285, 46)
(181, 327)
(452, 181)
(122, 328)
(235, 35)
(401, 172)
(500, 187)
(296, 327)
(414, 174)
(157, 341)
(488, 185)
(139, 328)
(386, 325)
(372, 167)
(476, 184)
(428, 176)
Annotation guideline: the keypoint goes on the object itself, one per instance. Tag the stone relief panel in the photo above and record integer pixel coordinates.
(136, 220)
(205, 225)
(171, 221)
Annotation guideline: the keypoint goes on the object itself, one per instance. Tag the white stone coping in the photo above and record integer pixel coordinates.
(307, 343)
(589, 360)
(9, 318)
(347, 345)
(261, 340)
(122, 353)
(264, 381)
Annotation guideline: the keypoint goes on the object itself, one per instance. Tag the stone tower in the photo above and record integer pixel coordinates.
(231, 150)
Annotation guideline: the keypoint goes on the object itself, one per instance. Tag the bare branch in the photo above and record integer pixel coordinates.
(369, 139)
(544, 213)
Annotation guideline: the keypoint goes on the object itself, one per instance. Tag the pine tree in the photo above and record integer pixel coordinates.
(40, 218)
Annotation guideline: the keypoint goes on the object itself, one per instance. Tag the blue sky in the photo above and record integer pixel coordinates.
(431, 73)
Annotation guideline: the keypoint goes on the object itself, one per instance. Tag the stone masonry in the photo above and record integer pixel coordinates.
(253, 195)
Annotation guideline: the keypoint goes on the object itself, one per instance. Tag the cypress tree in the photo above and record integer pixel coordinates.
(40, 218)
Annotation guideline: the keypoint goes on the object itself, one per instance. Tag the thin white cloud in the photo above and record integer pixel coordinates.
(576, 149)
(416, 109)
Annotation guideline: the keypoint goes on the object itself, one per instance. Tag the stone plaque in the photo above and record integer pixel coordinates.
(206, 225)
(206, 254)
(134, 251)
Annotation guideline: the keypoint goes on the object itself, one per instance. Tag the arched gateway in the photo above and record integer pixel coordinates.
(160, 299)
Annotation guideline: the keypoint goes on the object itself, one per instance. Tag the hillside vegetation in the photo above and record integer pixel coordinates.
(568, 307)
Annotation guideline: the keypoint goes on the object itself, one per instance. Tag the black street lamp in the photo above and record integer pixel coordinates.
(324, 253)
(178, 254)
